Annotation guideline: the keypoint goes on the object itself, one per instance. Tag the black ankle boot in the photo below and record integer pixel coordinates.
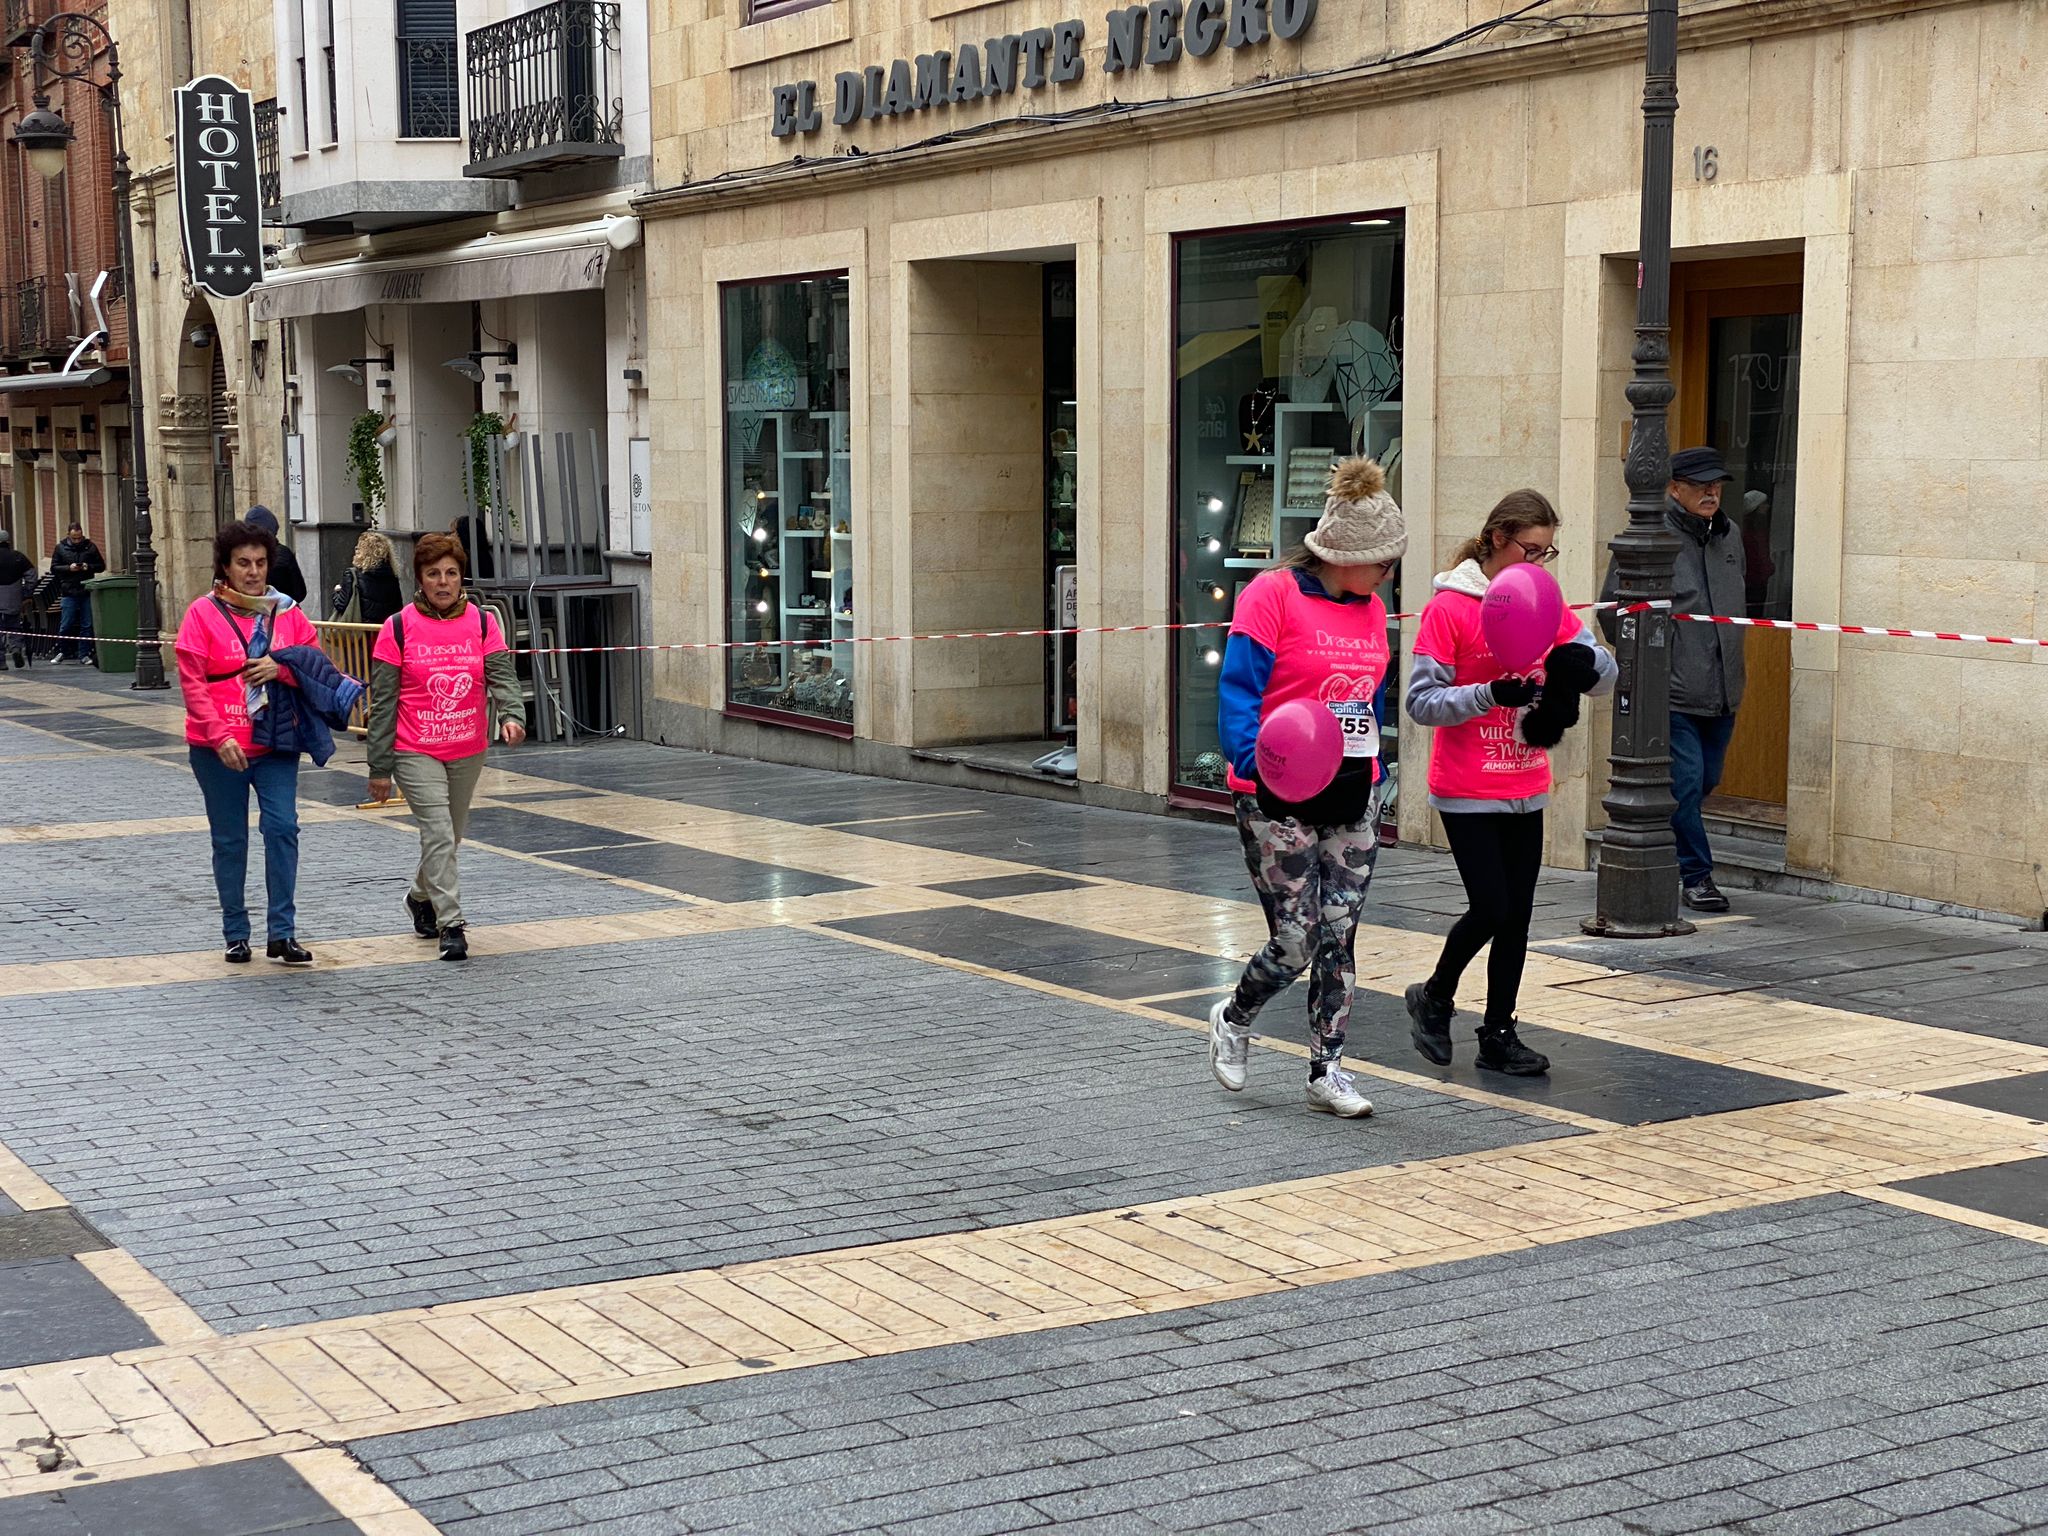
(422, 916)
(454, 944)
(238, 952)
(1501, 1050)
(289, 952)
(1430, 1024)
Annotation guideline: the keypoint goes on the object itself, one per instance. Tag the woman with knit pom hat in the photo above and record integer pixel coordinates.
(1311, 628)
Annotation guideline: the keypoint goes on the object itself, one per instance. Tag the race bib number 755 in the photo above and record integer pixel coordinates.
(1361, 730)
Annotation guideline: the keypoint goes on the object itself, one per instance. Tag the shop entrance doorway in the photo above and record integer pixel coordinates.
(994, 459)
(1735, 358)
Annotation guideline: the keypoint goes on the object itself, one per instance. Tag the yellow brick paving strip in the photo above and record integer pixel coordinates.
(302, 1388)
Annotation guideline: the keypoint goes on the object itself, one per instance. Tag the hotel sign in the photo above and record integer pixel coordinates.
(218, 198)
(1153, 36)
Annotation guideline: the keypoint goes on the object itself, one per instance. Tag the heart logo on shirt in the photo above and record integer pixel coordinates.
(450, 688)
(1341, 688)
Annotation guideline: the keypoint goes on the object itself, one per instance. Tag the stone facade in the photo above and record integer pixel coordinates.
(1512, 156)
(164, 43)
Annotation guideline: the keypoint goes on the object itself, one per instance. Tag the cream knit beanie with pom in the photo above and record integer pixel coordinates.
(1361, 524)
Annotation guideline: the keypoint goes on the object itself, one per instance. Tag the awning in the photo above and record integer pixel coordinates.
(38, 383)
(495, 267)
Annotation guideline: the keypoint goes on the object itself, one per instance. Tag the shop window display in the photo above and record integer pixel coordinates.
(789, 497)
(1287, 358)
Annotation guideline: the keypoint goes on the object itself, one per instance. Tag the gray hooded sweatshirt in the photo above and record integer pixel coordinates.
(1435, 698)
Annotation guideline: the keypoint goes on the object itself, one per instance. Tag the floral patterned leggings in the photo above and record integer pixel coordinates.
(1312, 882)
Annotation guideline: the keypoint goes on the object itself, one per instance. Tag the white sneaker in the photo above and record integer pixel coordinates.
(1230, 1048)
(1336, 1093)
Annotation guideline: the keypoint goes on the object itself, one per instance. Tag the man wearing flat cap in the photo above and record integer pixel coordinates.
(1706, 659)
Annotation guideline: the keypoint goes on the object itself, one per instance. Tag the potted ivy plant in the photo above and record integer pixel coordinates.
(366, 463)
(485, 434)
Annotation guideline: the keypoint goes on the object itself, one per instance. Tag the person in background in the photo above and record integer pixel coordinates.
(478, 550)
(439, 670)
(1757, 565)
(1313, 629)
(1489, 773)
(17, 572)
(1706, 659)
(368, 592)
(285, 575)
(74, 562)
(224, 670)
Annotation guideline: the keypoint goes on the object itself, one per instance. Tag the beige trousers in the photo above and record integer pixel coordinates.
(439, 794)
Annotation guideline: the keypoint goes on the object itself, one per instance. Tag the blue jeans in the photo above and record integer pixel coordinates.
(1699, 746)
(75, 619)
(275, 778)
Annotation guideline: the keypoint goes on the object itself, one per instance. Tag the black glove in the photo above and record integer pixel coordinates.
(1571, 668)
(1556, 711)
(1512, 692)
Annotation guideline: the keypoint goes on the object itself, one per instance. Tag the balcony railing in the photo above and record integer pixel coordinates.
(269, 184)
(18, 17)
(541, 89)
(429, 92)
(38, 326)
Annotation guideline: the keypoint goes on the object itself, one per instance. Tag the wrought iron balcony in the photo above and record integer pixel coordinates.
(18, 18)
(541, 89)
(269, 184)
(38, 326)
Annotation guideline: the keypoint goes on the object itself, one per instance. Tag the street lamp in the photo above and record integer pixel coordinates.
(68, 47)
(1638, 883)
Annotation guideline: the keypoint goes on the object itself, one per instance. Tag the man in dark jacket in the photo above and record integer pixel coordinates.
(1706, 659)
(74, 562)
(285, 574)
(17, 572)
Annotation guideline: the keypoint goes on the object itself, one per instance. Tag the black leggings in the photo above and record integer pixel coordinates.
(1499, 856)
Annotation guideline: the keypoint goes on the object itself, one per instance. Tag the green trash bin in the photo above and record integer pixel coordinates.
(113, 618)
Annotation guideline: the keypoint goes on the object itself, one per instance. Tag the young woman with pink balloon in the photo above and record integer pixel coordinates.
(1499, 668)
(1302, 670)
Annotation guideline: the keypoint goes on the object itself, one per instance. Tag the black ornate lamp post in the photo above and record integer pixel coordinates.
(1638, 890)
(68, 47)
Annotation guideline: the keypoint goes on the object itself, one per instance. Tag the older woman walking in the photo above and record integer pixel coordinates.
(229, 648)
(439, 670)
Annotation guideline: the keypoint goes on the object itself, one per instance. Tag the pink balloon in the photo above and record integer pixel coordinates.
(1520, 615)
(1299, 749)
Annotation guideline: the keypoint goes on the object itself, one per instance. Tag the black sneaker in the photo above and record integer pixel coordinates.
(1430, 1024)
(1501, 1050)
(238, 953)
(454, 943)
(1705, 896)
(289, 952)
(422, 916)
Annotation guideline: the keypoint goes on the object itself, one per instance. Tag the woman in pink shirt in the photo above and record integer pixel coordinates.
(1313, 628)
(1489, 773)
(225, 669)
(439, 670)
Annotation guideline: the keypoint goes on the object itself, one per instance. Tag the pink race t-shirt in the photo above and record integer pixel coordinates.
(213, 646)
(1482, 759)
(1334, 653)
(443, 704)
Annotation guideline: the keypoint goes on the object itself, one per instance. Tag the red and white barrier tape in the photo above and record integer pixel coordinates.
(1845, 629)
(1801, 626)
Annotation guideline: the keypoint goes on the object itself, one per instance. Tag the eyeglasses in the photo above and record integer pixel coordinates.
(1535, 554)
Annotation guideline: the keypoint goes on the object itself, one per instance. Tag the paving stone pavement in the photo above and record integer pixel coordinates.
(98, 896)
(860, 1206)
(435, 1134)
(1827, 1366)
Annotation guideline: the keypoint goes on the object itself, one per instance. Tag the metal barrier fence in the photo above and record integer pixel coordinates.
(348, 647)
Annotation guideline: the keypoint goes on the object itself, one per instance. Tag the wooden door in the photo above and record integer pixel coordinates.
(1735, 341)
